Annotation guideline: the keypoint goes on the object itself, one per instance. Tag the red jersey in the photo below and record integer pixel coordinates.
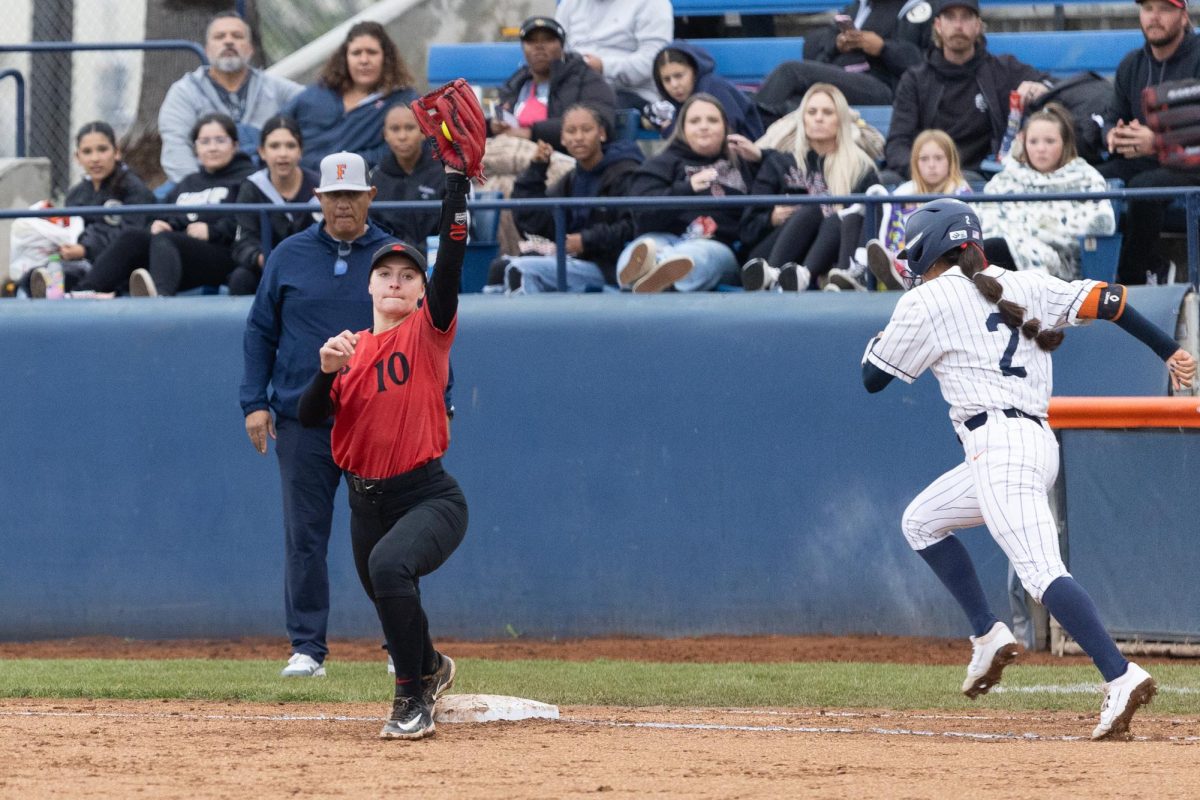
(389, 401)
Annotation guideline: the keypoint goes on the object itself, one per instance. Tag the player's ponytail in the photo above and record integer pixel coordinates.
(1011, 313)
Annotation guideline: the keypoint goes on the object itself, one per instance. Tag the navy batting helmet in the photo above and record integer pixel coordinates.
(935, 229)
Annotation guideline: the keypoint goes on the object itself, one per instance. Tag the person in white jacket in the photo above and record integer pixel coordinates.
(1047, 231)
(619, 39)
(229, 85)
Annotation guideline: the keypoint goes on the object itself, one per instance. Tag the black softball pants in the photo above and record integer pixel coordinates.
(175, 260)
(403, 528)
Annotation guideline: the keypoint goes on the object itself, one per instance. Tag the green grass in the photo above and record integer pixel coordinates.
(622, 683)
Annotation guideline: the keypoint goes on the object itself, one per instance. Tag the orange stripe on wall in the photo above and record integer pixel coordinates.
(1125, 412)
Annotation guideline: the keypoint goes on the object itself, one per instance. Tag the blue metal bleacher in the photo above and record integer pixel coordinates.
(487, 64)
(715, 8)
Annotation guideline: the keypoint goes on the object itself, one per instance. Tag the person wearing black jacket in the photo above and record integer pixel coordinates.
(690, 249)
(792, 245)
(864, 58)
(281, 181)
(546, 85)
(407, 172)
(108, 182)
(960, 88)
(1171, 52)
(183, 251)
(595, 235)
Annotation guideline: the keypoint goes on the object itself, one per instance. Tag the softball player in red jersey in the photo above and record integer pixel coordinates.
(986, 334)
(384, 388)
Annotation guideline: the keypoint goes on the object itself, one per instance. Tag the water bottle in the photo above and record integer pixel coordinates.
(1015, 108)
(54, 281)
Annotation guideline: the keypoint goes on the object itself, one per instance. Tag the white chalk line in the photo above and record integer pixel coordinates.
(603, 723)
(1081, 688)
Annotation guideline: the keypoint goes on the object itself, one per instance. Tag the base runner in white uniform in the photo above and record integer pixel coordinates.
(986, 334)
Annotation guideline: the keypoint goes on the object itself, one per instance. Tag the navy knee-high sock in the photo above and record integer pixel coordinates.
(1074, 609)
(952, 564)
(401, 619)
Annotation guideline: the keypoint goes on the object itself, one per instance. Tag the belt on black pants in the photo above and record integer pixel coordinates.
(401, 482)
(979, 419)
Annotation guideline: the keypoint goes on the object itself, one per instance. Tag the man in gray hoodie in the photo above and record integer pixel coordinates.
(228, 85)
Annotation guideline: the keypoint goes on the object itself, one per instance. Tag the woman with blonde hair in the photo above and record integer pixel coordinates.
(936, 169)
(815, 153)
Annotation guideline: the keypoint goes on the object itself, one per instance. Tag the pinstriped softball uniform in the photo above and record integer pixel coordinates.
(943, 326)
(948, 327)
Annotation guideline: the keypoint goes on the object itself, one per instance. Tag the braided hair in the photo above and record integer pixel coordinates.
(969, 258)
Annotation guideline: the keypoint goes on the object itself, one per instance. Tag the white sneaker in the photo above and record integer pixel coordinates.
(641, 261)
(883, 266)
(303, 666)
(992, 652)
(1122, 697)
(664, 274)
(794, 277)
(758, 275)
(849, 280)
(141, 284)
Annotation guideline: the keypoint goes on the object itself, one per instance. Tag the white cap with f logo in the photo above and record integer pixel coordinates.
(344, 172)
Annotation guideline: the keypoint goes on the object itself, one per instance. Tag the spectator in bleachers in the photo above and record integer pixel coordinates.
(408, 171)
(795, 245)
(228, 85)
(344, 110)
(281, 180)
(864, 56)
(680, 70)
(690, 249)
(595, 235)
(551, 80)
(618, 39)
(935, 169)
(186, 250)
(960, 88)
(107, 182)
(1171, 53)
(1047, 230)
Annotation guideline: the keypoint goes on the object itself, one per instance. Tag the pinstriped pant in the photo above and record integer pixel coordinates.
(1003, 482)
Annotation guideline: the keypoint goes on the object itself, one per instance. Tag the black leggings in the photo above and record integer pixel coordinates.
(812, 240)
(175, 260)
(400, 534)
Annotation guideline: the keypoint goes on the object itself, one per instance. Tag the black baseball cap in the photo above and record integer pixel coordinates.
(400, 249)
(942, 5)
(543, 23)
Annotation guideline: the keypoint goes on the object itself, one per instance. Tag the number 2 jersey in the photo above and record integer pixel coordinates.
(400, 377)
(947, 326)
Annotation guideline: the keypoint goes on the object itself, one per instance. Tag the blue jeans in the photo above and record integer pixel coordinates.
(540, 274)
(714, 262)
(309, 479)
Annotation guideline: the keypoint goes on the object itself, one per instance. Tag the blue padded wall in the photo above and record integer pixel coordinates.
(663, 465)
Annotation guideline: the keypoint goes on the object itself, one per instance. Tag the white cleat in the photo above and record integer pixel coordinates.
(992, 652)
(303, 666)
(1123, 697)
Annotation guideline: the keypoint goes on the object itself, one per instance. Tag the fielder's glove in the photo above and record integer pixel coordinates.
(453, 121)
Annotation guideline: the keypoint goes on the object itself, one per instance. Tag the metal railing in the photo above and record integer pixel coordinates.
(19, 80)
(56, 47)
(559, 205)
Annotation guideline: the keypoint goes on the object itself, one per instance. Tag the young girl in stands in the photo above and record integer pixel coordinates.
(690, 249)
(407, 172)
(682, 69)
(183, 251)
(281, 180)
(1047, 230)
(794, 245)
(595, 235)
(107, 182)
(936, 169)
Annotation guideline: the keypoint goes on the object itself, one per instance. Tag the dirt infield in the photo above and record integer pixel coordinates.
(188, 749)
